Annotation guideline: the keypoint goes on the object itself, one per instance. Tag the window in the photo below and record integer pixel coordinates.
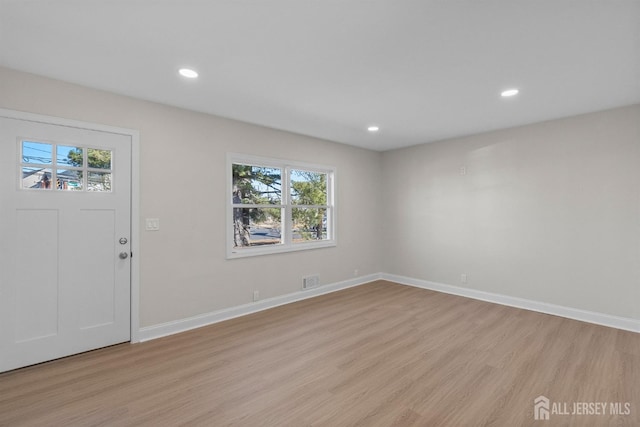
(47, 166)
(278, 206)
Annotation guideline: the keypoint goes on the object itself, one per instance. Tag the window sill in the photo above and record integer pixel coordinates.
(297, 247)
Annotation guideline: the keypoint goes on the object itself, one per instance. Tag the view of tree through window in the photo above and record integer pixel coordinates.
(279, 206)
(259, 190)
(309, 197)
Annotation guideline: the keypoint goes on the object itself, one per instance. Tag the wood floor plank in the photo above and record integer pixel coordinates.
(380, 354)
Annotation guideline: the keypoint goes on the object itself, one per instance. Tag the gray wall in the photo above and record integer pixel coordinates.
(184, 270)
(548, 212)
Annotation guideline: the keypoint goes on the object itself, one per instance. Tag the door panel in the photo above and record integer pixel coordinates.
(63, 287)
(36, 300)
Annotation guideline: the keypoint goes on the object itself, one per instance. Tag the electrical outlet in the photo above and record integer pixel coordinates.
(356, 272)
(256, 295)
(463, 278)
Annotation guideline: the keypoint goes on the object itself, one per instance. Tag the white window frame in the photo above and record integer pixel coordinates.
(287, 245)
(54, 166)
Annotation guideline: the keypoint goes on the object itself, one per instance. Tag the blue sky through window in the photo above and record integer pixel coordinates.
(41, 153)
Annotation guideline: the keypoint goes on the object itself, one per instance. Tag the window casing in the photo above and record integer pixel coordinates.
(278, 206)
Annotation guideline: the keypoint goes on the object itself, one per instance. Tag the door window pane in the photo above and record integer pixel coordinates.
(68, 167)
(69, 180)
(37, 153)
(71, 156)
(36, 178)
(99, 159)
(99, 181)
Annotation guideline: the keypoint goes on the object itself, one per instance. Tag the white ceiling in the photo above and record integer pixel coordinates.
(422, 70)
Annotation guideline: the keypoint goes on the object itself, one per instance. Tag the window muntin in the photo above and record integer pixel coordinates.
(49, 166)
(278, 206)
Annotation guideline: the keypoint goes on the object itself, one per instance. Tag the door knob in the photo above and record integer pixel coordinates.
(124, 255)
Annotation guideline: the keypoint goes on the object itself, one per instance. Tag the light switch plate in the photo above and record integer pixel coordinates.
(152, 224)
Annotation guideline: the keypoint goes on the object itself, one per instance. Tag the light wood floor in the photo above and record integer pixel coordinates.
(380, 354)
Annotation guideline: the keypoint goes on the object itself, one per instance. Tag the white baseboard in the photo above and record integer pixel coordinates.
(624, 323)
(158, 331)
(182, 325)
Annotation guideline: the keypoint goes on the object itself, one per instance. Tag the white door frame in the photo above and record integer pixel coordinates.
(135, 196)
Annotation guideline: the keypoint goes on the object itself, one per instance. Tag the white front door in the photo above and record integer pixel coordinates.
(65, 231)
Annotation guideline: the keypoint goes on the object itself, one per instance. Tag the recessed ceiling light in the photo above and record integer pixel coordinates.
(188, 72)
(509, 92)
(373, 128)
